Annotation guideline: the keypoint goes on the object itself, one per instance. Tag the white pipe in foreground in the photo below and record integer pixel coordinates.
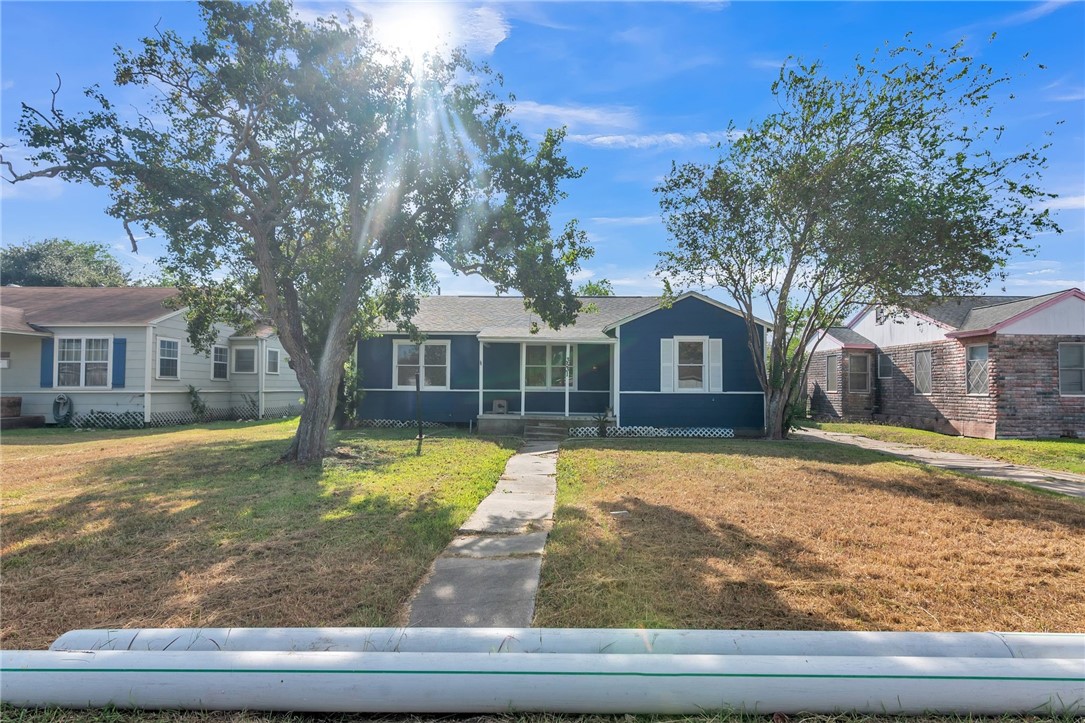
(491, 683)
(583, 641)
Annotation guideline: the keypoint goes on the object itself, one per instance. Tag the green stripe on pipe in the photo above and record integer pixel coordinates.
(85, 671)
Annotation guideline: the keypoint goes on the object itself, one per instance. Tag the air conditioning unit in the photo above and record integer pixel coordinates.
(501, 406)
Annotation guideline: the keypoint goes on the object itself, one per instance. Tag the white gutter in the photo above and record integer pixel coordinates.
(429, 670)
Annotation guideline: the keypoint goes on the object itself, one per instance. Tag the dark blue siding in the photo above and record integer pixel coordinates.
(375, 361)
(464, 360)
(687, 317)
(741, 411)
(436, 406)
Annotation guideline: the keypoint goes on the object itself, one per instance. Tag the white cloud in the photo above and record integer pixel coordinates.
(1066, 203)
(651, 140)
(7, 85)
(1034, 13)
(766, 63)
(616, 117)
(624, 220)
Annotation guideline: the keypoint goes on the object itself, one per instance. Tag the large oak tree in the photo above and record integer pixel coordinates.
(889, 182)
(300, 170)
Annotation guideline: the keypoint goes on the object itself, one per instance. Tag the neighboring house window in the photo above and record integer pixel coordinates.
(220, 362)
(976, 370)
(545, 366)
(1072, 368)
(691, 364)
(832, 372)
(859, 373)
(923, 372)
(5, 359)
(885, 366)
(245, 360)
(168, 358)
(272, 361)
(431, 358)
(83, 362)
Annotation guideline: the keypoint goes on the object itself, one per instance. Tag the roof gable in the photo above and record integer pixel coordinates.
(689, 295)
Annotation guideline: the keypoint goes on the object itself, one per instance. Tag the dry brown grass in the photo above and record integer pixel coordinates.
(793, 535)
(202, 527)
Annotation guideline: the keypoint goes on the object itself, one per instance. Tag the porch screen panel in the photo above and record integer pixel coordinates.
(558, 366)
(535, 366)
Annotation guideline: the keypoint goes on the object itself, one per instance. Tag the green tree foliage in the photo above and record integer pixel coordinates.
(602, 287)
(891, 181)
(60, 262)
(321, 175)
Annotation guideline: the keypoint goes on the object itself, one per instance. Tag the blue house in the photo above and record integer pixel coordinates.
(643, 364)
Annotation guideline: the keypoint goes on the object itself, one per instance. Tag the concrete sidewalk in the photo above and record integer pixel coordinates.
(488, 575)
(1065, 483)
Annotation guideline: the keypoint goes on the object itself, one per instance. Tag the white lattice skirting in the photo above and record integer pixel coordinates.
(706, 432)
(398, 424)
(98, 419)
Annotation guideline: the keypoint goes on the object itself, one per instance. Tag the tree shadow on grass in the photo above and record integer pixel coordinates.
(642, 564)
(219, 533)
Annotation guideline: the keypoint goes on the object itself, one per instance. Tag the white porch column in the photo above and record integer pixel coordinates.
(480, 401)
(523, 377)
(568, 374)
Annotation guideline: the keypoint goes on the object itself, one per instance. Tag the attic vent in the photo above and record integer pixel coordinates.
(879, 315)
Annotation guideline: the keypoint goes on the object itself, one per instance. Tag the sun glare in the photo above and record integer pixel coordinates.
(413, 29)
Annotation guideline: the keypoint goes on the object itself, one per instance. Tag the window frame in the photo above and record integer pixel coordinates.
(158, 358)
(866, 358)
(225, 378)
(233, 359)
(446, 343)
(968, 371)
(550, 367)
(832, 381)
(108, 338)
(267, 360)
(705, 370)
(1080, 370)
(915, 373)
(888, 358)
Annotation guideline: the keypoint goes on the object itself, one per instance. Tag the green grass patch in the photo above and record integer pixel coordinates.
(204, 526)
(1064, 455)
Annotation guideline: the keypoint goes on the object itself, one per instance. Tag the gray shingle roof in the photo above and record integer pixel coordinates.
(57, 306)
(953, 312)
(846, 336)
(984, 317)
(505, 316)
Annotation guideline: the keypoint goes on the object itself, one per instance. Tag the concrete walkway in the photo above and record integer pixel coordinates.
(488, 575)
(1066, 483)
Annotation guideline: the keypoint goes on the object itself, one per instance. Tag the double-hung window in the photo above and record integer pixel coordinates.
(429, 359)
(83, 362)
(832, 373)
(691, 364)
(245, 360)
(923, 363)
(1072, 369)
(272, 362)
(859, 373)
(546, 366)
(169, 358)
(220, 362)
(976, 370)
(885, 366)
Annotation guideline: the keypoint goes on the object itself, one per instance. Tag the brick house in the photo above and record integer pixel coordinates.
(977, 366)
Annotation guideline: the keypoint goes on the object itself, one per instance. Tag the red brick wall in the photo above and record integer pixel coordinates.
(1027, 380)
(948, 408)
(843, 403)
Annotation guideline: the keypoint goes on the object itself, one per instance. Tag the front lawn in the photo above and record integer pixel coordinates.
(201, 526)
(802, 535)
(1066, 455)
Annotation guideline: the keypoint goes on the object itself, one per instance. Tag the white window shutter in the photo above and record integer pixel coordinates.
(715, 365)
(666, 365)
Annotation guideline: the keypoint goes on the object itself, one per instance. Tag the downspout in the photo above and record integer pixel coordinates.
(261, 370)
(148, 371)
(481, 344)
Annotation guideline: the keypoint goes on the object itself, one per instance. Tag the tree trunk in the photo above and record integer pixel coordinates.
(311, 439)
(776, 413)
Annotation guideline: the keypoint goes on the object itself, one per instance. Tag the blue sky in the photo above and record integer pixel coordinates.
(639, 86)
